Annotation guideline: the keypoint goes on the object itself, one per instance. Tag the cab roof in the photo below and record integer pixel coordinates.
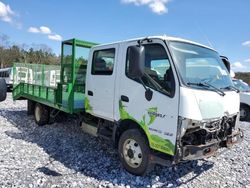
(163, 37)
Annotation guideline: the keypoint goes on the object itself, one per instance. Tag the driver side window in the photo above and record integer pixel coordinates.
(158, 74)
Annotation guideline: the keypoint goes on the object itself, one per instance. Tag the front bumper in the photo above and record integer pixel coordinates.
(194, 152)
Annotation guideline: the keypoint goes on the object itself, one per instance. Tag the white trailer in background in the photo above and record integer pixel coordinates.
(54, 77)
(7, 75)
(23, 74)
(244, 90)
(244, 99)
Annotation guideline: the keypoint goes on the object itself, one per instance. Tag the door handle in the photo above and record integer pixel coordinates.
(124, 98)
(90, 93)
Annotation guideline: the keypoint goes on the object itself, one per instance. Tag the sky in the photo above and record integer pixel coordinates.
(221, 24)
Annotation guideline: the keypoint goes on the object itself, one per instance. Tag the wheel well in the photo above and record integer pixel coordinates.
(126, 125)
(244, 104)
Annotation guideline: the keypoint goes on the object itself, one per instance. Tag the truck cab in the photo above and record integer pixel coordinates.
(244, 99)
(171, 96)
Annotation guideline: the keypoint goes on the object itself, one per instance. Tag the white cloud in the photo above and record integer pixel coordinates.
(6, 13)
(247, 60)
(156, 6)
(246, 43)
(33, 30)
(55, 37)
(42, 29)
(45, 30)
(238, 65)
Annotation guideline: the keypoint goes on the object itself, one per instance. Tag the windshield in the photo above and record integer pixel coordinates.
(198, 64)
(242, 86)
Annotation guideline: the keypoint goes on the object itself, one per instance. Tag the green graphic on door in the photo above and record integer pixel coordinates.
(155, 141)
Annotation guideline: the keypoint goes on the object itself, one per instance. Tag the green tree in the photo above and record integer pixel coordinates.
(36, 53)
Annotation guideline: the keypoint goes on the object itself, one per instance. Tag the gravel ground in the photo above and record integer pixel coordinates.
(61, 155)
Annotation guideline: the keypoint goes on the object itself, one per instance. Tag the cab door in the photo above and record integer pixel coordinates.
(100, 85)
(157, 116)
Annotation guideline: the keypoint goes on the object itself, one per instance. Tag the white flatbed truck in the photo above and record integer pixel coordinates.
(159, 99)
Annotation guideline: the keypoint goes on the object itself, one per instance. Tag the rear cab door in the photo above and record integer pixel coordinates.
(100, 81)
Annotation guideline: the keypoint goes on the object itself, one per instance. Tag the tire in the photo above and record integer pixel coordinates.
(30, 107)
(244, 112)
(134, 152)
(61, 117)
(3, 90)
(41, 113)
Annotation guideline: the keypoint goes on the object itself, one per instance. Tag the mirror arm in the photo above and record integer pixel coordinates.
(143, 84)
(148, 92)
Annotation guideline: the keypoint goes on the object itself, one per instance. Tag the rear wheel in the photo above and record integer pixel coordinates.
(41, 113)
(134, 152)
(3, 90)
(244, 112)
(30, 107)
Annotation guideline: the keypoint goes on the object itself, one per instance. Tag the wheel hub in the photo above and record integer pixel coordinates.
(243, 113)
(37, 113)
(132, 153)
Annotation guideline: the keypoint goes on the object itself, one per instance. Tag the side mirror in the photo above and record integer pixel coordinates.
(148, 94)
(226, 63)
(136, 57)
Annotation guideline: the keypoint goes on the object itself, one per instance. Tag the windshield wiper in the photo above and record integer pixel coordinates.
(232, 87)
(207, 85)
(197, 84)
(215, 88)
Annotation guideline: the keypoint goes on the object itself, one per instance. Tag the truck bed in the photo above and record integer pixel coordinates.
(49, 96)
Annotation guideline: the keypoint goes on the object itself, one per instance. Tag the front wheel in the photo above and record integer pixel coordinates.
(134, 152)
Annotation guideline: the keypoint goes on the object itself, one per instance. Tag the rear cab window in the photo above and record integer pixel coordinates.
(103, 62)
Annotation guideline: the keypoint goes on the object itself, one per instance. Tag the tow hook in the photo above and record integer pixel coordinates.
(207, 151)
